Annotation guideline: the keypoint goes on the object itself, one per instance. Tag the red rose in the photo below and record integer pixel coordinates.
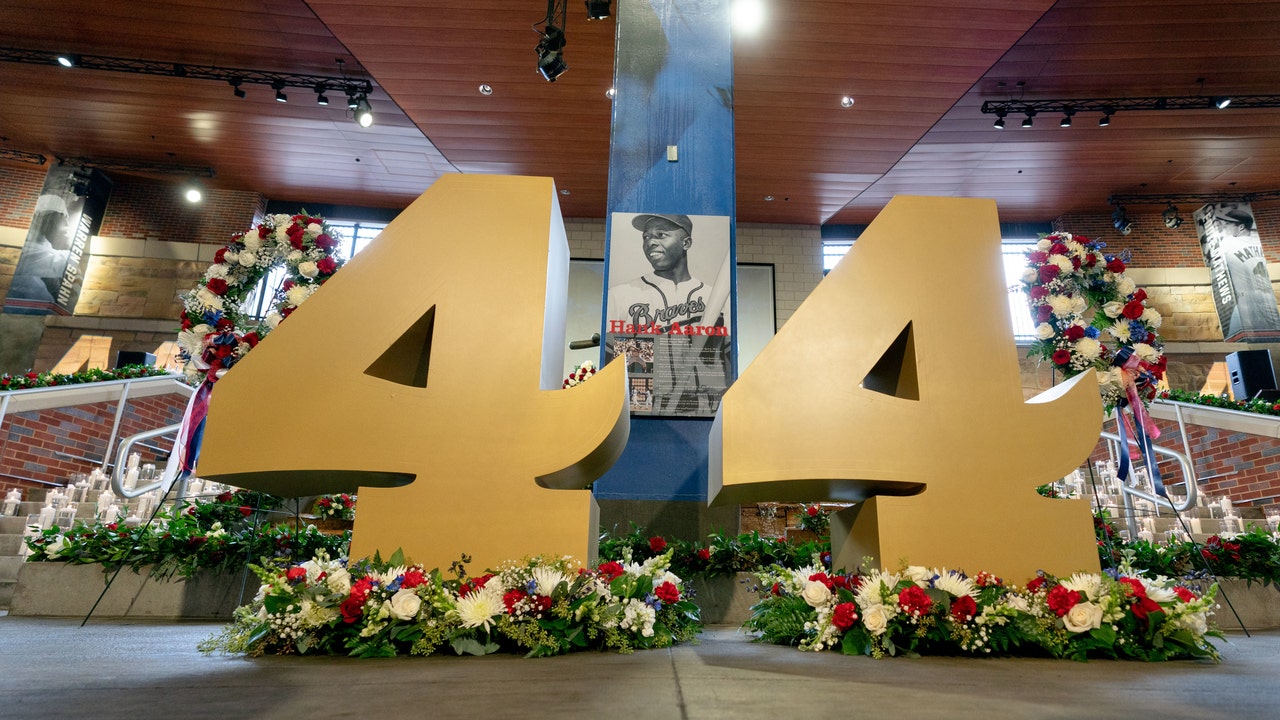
(1035, 584)
(657, 544)
(845, 615)
(224, 323)
(217, 286)
(914, 601)
(327, 265)
(812, 510)
(1115, 265)
(224, 497)
(245, 510)
(1037, 256)
(1184, 594)
(1061, 599)
(352, 609)
(963, 609)
(264, 232)
(1133, 309)
(1075, 263)
(295, 574)
(704, 554)
(667, 592)
(1039, 292)
(324, 242)
(220, 255)
(822, 578)
(776, 589)
(1090, 260)
(186, 323)
(1048, 272)
(1140, 295)
(1075, 332)
(1062, 357)
(1058, 249)
(412, 579)
(251, 338)
(841, 581)
(611, 570)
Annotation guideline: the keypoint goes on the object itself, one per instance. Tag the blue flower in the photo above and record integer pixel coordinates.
(531, 586)
(1137, 332)
(1092, 332)
(395, 584)
(652, 601)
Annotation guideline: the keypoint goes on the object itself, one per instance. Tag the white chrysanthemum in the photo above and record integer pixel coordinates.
(1113, 309)
(1152, 317)
(308, 269)
(1075, 248)
(298, 294)
(386, 577)
(1063, 262)
(1044, 331)
(1119, 331)
(192, 341)
(875, 586)
(546, 579)
(956, 584)
(480, 607)
(1125, 285)
(230, 257)
(1088, 584)
(1159, 591)
(247, 259)
(1088, 348)
(1146, 352)
(280, 220)
(216, 270)
(1043, 244)
(207, 299)
(252, 242)
(1061, 305)
(294, 257)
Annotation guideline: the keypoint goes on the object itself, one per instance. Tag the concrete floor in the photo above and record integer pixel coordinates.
(123, 669)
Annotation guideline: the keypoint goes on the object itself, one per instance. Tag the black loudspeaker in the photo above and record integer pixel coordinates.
(136, 357)
(1250, 372)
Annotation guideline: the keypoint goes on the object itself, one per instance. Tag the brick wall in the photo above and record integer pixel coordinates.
(31, 441)
(1155, 246)
(19, 188)
(155, 210)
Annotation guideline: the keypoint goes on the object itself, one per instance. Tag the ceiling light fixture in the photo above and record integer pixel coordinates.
(846, 102)
(279, 88)
(67, 60)
(321, 98)
(193, 192)
(1221, 102)
(551, 41)
(611, 93)
(1027, 121)
(1171, 218)
(235, 87)
(485, 89)
(747, 16)
(1110, 106)
(598, 9)
(1120, 220)
(999, 123)
(1105, 120)
(364, 113)
(1066, 117)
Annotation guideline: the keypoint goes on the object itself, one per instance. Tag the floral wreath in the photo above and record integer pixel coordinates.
(216, 331)
(1091, 315)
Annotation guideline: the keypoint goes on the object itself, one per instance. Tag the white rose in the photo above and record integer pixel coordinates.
(273, 319)
(1126, 286)
(58, 545)
(1030, 275)
(1044, 331)
(405, 604)
(815, 593)
(1082, 617)
(876, 619)
(339, 581)
(1113, 309)
(919, 575)
(1195, 622)
(247, 259)
(230, 257)
(251, 241)
(1088, 348)
(1079, 305)
(207, 299)
(308, 269)
(1017, 602)
(314, 229)
(1152, 317)
(217, 270)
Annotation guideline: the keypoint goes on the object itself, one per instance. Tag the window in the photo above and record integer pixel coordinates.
(1013, 253)
(356, 236)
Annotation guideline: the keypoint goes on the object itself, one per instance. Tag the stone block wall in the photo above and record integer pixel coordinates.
(30, 442)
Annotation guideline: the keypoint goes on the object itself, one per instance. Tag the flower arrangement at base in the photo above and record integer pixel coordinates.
(580, 374)
(26, 381)
(540, 606)
(216, 330)
(1087, 310)
(815, 520)
(919, 610)
(336, 507)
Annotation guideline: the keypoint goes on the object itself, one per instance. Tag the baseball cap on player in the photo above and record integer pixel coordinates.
(683, 221)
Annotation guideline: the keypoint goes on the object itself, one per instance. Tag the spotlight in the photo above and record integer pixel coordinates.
(1120, 220)
(1026, 121)
(321, 98)
(352, 102)
(193, 192)
(1105, 120)
(550, 58)
(1221, 102)
(999, 123)
(1171, 218)
(1066, 118)
(279, 88)
(364, 113)
(67, 60)
(235, 87)
(598, 9)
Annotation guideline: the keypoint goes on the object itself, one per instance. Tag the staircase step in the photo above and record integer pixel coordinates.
(13, 525)
(7, 588)
(9, 567)
(10, 545)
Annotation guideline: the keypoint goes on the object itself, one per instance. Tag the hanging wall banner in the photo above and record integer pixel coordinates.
(669, 310)
(1242, 290)
(51, 268)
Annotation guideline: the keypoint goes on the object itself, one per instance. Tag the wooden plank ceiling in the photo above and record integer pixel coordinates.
(918, 69)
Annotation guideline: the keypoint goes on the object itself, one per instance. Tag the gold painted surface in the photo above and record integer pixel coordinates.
(898, 378)
(465, 291)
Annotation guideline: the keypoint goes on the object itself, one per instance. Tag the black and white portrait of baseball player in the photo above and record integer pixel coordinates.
(669, 309)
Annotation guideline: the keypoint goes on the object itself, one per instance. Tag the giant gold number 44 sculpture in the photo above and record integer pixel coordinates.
(424, 373)
(896, 383)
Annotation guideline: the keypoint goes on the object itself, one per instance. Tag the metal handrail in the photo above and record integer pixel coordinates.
(122, 456)
(1189, 480)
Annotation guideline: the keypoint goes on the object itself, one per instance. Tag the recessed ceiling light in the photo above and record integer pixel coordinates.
(486, 89)
(768, 198)
(748, 15)
(565, 191)
(846, 102)
(611, 93)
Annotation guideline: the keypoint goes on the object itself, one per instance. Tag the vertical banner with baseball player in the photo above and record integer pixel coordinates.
(50, 270)
(1242, 290)
(669, 310)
